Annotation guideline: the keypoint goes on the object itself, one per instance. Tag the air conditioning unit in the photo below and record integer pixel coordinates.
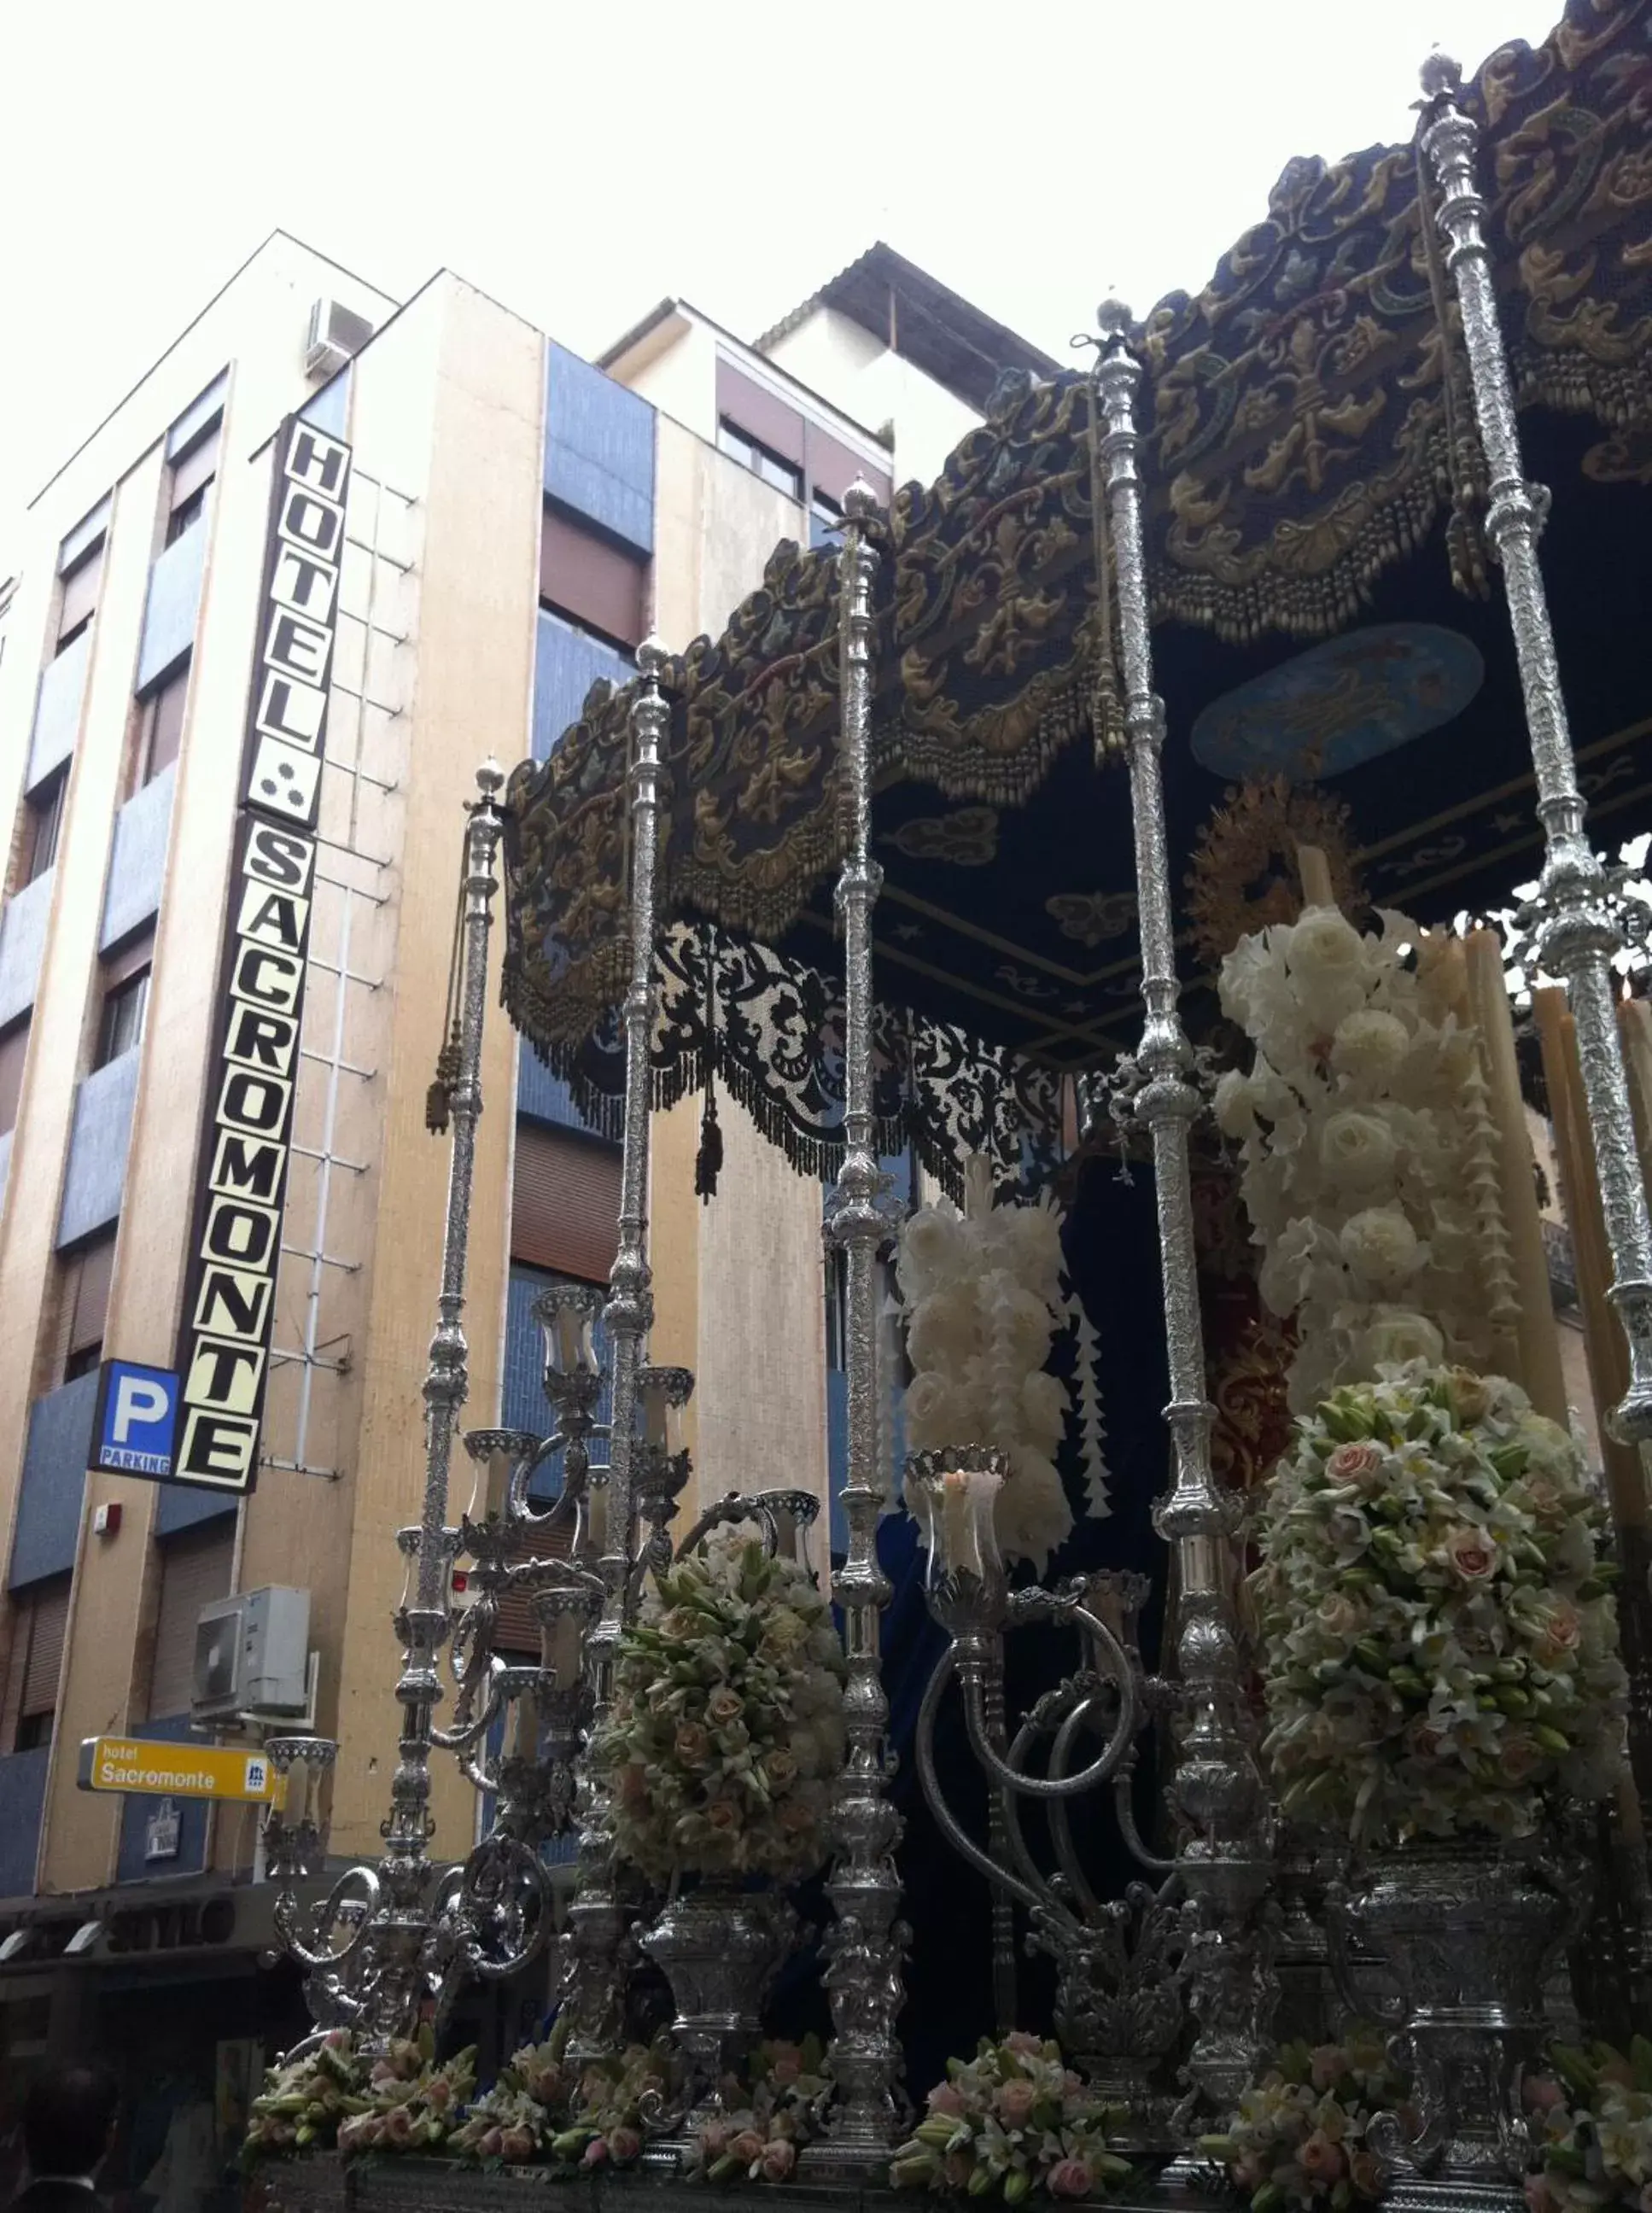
(252, 1654)
(336, 333)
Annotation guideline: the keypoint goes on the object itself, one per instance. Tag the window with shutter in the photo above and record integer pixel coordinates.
(195, 1569)
(83, 1306)
(38, 1630)
(192, 473)
(14, 1048)
(600, 586)
(565, 1204)
(160, 726)
(79, 597)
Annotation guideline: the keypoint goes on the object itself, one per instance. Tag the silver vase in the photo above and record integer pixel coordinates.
(719, 1948)
(1460, 1937)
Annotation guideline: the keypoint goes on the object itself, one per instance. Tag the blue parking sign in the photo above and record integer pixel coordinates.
(136, 1422)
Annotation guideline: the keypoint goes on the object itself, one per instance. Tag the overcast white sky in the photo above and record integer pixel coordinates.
(581, 162)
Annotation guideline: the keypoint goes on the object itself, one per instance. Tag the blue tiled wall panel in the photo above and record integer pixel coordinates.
(169, 611)
(180, 1507)
(196, 417)
(524, 1405)
(57, 708)
(90, 526)
(139, 860)
(330, 409)
(22, 942)
(131, 1866)
(22, 1799)
(599, 448)
(54, 1482)
(566, 664)
(92, 1188)
(544, 1097)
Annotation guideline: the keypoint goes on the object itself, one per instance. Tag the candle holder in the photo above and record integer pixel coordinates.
(1121, 1964)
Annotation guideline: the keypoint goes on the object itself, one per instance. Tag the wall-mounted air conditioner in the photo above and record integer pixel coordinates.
(336, 333)
(252, 1654)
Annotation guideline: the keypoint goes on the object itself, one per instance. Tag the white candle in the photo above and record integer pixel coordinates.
(596, 1509)
(587, 1359)
(563, 1647)
(567, 1340)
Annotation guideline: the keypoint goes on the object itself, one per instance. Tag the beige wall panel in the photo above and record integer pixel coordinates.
(478, 592)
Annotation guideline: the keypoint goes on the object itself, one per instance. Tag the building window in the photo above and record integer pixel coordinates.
(762, 461)
(79, 597)
(43, 824)
(125, 1000)
(826, 518)
(14, 1051)
(160, 727)
(600, 587)
(83, 1307)
(195, 1568)
(193, 473)
(39, 1628)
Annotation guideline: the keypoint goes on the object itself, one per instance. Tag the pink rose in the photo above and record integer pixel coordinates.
(723, 1706)
(1471, 1554)
(747, 2147)
(1329, 2064)
(624, 2145)
(1015, 2101)
(516, 2144)
(438, 2092)
(779, 2157)
(1355, 1463)
(690, 1744)
(1542, 2092)
(714, 2139)
(1070, 2178)
(595, 2152)
(1024, 2044)
(722, 1813)
(1538, 2198)
(947, 2097)
(1319, 2160)
(492, 2144)
(1559, 1630)
(786, 2066)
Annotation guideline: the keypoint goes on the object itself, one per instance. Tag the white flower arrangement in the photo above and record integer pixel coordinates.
(1440, 1650)
(984, 1295)
(726, 1729)
(1591, 2126)
(1369, 1167)
(1299, 2138)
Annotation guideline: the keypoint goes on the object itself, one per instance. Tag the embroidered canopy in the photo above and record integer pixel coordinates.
(1312, 474)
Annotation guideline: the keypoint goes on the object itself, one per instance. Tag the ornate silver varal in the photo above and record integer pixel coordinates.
(388, 1939)
(1577, 929)
(596, 1949)
(1225, 1859)
(866, 1944)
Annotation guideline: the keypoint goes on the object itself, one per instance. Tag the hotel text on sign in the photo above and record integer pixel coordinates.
(178, 1770)
(223, 1346)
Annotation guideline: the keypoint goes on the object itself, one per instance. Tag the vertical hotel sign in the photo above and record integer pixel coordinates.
(224, 1347)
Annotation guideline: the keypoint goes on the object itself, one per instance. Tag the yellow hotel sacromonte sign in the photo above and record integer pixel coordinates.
(178, 1770)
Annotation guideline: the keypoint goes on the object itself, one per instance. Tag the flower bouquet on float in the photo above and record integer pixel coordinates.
(725, 1730)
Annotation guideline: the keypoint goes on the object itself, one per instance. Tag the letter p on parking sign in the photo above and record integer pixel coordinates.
(134, 1425)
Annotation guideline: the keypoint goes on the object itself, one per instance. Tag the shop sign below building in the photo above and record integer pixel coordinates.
(177, 1771)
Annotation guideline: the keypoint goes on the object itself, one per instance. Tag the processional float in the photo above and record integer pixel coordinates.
(1168, 1991)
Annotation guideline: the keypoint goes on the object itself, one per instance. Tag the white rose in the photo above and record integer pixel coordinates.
(1380, 1243)
(1356, 1148)
(943, 1329)
(1235, 1108)
(1369, 1045)
(1324, 948)
(934, 1248)
(1044, 1408)
(1394, 1335)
